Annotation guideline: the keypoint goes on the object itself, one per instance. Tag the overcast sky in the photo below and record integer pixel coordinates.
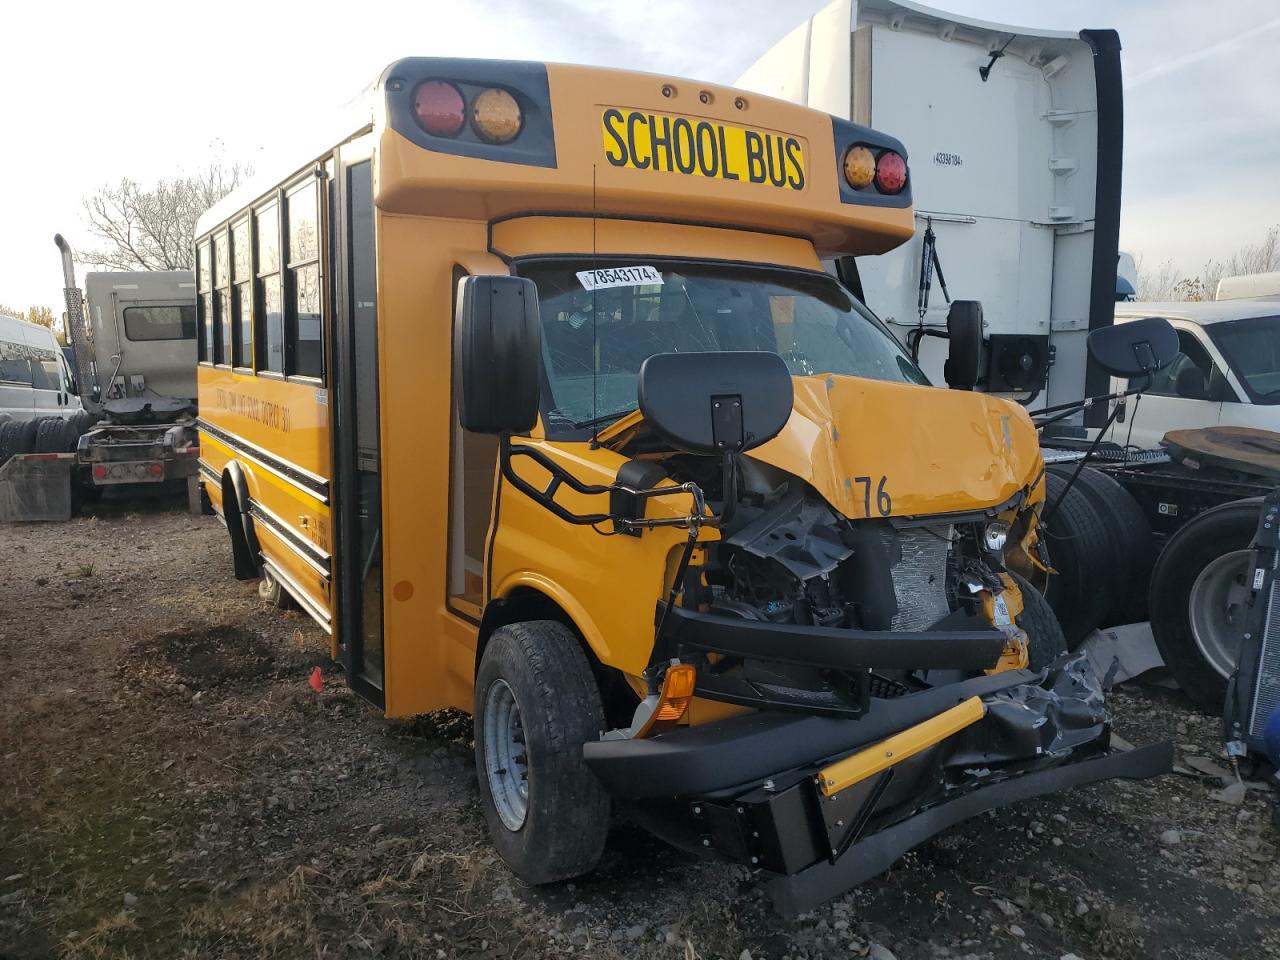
(95, 92)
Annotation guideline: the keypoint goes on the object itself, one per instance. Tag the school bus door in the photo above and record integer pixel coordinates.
(357, 458)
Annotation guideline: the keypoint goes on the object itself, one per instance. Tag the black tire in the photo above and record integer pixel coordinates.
(245, 560)
(1085, 556)
(1046, 642)
(567, 820)
(52, 436)
(10, 438)
(27, 430)
(1124, 518)
(1221, 530)
(83, 421)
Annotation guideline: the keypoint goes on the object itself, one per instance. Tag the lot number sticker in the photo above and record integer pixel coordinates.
(619, 277)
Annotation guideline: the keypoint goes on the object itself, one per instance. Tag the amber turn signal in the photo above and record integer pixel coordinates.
(859, 167)
(496, 117)
(677, 691)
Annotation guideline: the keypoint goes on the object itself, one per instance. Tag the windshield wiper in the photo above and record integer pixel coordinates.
(603, 418)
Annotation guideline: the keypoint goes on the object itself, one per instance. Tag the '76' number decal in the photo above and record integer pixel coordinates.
(884, 503)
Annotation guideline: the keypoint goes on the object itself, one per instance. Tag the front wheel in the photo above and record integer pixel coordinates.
(536, 704)
(1045, 641)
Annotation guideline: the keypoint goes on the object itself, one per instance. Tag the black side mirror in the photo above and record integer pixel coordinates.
(964, 356)
(1135, 348)
(497, 351)
(715, 403)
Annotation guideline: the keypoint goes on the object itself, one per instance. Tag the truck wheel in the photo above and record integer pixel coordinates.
(1131, 531)
(1198, 588)
(51, 436)
(10, 438)
(27, 430)
(536, 704)
(1084, 553)
(1044, 633)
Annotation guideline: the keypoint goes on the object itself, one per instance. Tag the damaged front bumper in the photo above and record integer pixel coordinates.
(758, 788)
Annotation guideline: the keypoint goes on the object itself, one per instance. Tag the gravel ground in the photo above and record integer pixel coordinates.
(172, 786)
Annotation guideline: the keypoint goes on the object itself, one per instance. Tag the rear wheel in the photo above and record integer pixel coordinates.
(27, 430)
(1131, 535)
(536, 704)
(54, 435)
(1198, 591)
(273, 592)
(10, 438)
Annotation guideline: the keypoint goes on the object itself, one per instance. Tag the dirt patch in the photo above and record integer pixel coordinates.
(171, 786)
(205, 657)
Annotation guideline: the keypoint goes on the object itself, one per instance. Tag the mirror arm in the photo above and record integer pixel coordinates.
(1049, 514)
(1063, 410)
(560, 477)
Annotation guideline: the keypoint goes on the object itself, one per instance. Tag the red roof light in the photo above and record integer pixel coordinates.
(891, 172)
(439, 108)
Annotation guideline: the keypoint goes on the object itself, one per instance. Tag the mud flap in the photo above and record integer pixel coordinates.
(795, 894)
(36, 486)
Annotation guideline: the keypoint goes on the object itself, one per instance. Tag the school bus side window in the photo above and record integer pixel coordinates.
(268, 315)
(241, 299)
(305, 354)
(222, 297)
(205, 303)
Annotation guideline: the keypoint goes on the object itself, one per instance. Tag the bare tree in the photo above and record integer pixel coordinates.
(40, 315)
(1159, 283)
(153, 228)
(1262, 257)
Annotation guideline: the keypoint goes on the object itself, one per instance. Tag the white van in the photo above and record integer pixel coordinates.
(34, 378)
(1227, 372)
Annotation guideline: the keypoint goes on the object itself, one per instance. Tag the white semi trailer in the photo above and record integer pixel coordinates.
(1014, 138)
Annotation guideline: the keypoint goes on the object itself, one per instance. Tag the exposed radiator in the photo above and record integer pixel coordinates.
(1266, 692)
(920, 577)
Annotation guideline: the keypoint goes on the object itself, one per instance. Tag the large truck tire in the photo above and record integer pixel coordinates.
(54, 435)
(10, 439)
(1198, 589)
(1046, 642)
(1131, 531)
(1086, 557)
(83, 421)
(27, 430)
(536, 704)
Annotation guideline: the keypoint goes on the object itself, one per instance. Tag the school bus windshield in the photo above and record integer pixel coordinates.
(647, 307)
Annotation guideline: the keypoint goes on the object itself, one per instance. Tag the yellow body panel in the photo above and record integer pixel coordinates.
(278, 433)
(867, 763)
(937, 451)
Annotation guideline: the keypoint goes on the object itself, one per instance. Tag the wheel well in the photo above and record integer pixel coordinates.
(526, 603)
(234, 496)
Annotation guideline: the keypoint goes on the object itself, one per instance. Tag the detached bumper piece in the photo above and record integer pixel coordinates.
(839, 815)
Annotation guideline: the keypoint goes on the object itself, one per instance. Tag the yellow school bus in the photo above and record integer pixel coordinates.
(530, 386)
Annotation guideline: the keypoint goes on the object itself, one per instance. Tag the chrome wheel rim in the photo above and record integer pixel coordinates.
(505, 761)
(1217, 601)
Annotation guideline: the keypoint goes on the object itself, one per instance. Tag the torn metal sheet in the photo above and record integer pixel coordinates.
(1130, 650)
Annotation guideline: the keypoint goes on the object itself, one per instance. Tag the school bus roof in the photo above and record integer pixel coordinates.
(612, 143)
